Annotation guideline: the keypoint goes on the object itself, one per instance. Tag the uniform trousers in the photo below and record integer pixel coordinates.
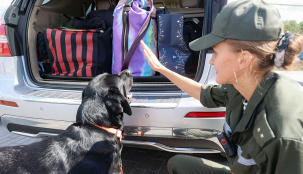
(185, 164)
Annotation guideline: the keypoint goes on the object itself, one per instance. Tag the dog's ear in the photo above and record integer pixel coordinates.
(123, 101)
(126, 107)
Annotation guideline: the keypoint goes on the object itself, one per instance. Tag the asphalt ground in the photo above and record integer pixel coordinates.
(134, 160)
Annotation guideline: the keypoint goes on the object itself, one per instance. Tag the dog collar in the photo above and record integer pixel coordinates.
(114, 131)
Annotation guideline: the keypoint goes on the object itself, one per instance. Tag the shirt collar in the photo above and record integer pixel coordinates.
(246, 121)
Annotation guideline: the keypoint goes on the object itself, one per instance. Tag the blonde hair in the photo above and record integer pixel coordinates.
(265, 51)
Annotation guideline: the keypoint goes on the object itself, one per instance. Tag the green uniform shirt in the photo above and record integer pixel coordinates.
(268, 136)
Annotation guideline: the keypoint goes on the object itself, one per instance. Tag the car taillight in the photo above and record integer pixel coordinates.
(204, 114)
(4, 48)
(8, 103)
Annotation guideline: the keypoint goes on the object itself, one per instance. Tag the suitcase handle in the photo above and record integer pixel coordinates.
(77, 30)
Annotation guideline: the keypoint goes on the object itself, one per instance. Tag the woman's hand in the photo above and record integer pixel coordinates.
(187, 85)
(152, 58)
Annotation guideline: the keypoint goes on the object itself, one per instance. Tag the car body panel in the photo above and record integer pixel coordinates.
(158, 118)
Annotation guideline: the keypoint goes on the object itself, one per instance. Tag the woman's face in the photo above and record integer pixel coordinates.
(226, 63)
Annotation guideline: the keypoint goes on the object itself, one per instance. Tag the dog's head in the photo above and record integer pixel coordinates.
(104, 100)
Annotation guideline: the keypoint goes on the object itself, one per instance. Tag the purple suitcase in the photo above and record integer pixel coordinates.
(133, 22)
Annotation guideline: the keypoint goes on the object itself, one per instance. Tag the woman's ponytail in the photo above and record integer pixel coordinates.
(280, 53)
(294, 48)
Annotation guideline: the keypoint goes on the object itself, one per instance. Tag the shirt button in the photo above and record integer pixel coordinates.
(258, 130)
(261, 136)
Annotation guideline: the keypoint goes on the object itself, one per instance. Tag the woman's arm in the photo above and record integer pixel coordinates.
(187, 85)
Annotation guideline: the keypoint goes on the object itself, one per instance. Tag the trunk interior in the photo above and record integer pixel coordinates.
(58, 14)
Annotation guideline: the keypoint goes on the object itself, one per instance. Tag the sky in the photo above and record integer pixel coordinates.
(289, 9)
(294, 11)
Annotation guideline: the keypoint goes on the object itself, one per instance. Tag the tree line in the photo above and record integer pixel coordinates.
(293, 26)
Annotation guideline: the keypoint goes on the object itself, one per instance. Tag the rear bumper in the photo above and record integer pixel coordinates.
(159, 146)
(178, 140)
(184, 140)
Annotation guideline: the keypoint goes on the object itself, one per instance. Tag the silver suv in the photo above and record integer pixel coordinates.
(38, 105)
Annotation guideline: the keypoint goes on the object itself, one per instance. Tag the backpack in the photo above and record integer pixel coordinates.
(133, 21)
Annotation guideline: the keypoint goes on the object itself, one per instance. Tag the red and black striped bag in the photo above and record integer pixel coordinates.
(79, 53)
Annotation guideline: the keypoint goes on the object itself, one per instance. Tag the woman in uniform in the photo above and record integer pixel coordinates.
(264, 113)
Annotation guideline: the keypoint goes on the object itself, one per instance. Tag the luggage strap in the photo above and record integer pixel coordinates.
(136, 42)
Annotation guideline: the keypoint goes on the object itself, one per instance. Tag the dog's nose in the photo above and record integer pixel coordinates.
(126, 72)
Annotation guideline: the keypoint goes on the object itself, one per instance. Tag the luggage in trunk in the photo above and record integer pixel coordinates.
(78, 53)
(193, 18)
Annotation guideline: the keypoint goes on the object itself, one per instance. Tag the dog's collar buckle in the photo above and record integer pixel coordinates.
(119, 134)
(114, 131)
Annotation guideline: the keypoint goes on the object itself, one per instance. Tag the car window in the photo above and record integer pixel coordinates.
(301, 56)
(88, 10)
(4, 5)
(45, 1)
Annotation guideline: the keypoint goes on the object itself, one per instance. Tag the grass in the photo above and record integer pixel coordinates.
(298, 66)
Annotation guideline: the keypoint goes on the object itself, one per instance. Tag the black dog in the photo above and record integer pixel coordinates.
(83, 147)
